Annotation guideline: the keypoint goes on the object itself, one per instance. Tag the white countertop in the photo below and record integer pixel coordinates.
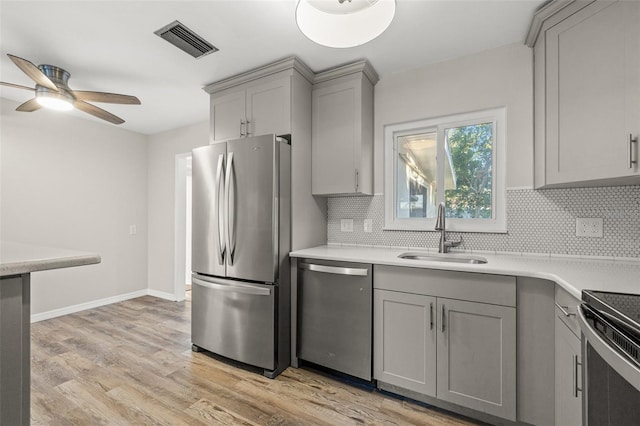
(16, 258)
(574, 274)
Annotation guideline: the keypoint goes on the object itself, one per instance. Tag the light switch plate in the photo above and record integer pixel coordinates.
(346, 225)
(368, 225)
(591, 227)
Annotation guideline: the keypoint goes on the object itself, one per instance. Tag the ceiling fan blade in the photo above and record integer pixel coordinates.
(17, 86)
(33, 72)
(108, 98)
(29, 106)
(97, 112)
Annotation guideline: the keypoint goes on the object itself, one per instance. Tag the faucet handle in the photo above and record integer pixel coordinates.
(453, 243)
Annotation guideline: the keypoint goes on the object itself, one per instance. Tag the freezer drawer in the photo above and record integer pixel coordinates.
(235, 319)
(335, 316)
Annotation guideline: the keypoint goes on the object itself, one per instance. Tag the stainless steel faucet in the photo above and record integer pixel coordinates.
(444, 245)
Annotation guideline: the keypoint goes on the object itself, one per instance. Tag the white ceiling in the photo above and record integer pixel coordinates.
(111, 46)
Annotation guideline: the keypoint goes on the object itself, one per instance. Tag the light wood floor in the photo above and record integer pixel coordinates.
(131, 363)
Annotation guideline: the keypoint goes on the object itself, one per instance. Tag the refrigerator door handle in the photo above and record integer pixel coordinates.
(222, 246)
(233, 287)
(230, 201)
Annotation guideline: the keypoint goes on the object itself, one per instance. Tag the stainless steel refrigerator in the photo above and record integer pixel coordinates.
(241, 207)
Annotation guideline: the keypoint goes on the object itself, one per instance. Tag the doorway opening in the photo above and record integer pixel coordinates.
(182, 253)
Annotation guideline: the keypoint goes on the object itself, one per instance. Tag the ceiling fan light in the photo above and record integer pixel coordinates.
(54, 101)
(342, 25)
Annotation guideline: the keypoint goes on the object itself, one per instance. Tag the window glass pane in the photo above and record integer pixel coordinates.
(468, 171)
(416, 175)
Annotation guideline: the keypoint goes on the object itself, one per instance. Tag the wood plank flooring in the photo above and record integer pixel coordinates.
(131, 363)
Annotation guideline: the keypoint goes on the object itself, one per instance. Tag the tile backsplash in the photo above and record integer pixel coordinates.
(538, 221)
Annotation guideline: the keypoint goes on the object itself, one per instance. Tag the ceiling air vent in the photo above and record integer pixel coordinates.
(185, 39)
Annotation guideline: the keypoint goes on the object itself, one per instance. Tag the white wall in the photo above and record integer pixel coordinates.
(493, 78)
(162, 151)
(74, 183)
(189, 204)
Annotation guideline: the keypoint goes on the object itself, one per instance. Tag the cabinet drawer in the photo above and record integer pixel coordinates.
(474, 287)
(566, 309)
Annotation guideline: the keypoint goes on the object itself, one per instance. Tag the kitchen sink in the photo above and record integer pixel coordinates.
(452, 258)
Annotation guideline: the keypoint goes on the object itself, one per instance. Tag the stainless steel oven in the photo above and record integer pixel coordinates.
(610, 324)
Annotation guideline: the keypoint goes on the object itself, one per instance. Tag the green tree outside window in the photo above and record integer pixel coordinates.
(470, 148)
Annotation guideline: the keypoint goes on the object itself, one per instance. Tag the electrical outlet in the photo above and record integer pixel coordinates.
(346, 225)
(132, 230)
(591, 227)
(368, 225)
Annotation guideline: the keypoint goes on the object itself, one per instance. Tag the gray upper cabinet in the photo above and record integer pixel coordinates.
(255, 103)
(227, 116)
(587, 93)
(256, 108)
(269, 108)
(342, 130)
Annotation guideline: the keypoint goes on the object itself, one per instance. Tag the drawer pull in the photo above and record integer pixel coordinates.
(565, 310)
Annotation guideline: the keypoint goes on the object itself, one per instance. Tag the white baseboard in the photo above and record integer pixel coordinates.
(161, 294)
(101, 302)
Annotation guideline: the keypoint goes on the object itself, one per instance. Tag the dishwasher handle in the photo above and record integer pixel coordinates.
(339, 270)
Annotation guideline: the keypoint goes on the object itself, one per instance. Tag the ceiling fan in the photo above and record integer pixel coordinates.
(52, 91)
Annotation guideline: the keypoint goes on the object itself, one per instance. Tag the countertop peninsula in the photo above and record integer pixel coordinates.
(18, 258)
(17, 262)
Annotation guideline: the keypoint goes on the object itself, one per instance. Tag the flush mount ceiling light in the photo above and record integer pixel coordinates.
(52, 91)
(60, 100)
(344, 23)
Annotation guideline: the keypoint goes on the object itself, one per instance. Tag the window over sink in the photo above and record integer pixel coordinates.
(458, 160)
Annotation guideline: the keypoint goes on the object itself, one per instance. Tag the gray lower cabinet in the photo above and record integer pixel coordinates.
(405, 340)
(568, 362)
(459, 351)
(477, 356)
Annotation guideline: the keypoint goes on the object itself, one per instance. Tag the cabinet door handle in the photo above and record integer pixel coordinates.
(430, 316)
(247, 127)
(242, 133)
(576, 364)
(565, 310)
(356, 180)
(632, 140)
(443, 316)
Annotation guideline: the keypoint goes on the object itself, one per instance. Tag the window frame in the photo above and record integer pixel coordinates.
(497, 223)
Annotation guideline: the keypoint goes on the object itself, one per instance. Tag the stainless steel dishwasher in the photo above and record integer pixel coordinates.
(335, 315)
